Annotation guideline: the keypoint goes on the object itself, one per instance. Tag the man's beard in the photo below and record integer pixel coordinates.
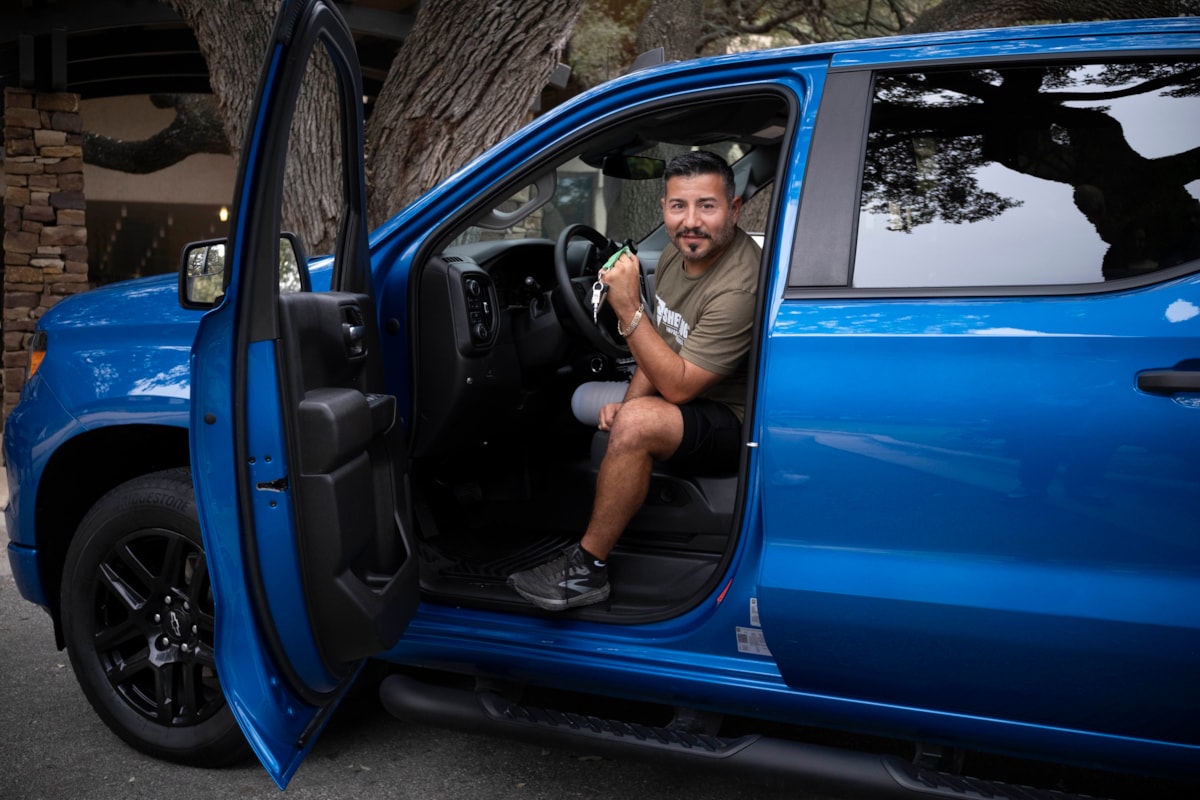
(717, 241)
(691, 247)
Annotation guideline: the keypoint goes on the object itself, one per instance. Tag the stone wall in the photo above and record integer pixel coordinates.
(45, 230)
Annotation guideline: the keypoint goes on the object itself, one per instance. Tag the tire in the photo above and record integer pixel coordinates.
(137, 616)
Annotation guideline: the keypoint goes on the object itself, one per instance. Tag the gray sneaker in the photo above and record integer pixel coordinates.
(567, 581)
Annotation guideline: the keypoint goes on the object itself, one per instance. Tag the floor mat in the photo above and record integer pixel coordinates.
(469, 559)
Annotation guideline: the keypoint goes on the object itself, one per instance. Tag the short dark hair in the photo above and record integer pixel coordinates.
(700, 162)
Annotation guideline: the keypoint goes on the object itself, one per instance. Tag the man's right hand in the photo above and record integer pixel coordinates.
(623, 278)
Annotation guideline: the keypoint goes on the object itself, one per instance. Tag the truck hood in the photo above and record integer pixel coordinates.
(145, 302)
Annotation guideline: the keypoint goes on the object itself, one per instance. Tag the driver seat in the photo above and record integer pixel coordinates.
(678, 503)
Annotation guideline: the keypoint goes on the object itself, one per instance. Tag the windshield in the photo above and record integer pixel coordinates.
(612, 180)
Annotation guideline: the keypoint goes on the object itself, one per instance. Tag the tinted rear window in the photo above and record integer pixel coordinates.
(1030, 175)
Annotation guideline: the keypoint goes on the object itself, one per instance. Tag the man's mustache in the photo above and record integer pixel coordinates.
(691, 232)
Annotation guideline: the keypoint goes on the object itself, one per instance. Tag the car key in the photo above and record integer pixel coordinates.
(600, 289)
(599, 293)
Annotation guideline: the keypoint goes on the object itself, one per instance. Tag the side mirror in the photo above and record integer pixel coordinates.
(202, 271)
(201, 276)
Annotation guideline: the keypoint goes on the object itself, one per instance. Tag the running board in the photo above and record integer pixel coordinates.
(848, 773)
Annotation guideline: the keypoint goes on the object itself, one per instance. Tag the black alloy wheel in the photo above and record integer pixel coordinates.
(138, 619)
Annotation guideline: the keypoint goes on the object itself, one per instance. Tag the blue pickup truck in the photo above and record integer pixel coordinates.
(961, 550)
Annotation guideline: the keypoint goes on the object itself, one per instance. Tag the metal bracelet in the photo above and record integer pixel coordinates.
(637, 317)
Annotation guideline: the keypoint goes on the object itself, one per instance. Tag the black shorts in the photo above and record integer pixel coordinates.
(712, 439)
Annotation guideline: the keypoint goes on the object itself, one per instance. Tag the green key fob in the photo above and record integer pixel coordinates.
(613, 258)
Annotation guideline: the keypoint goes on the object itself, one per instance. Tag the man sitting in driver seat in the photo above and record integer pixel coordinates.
(684, 404)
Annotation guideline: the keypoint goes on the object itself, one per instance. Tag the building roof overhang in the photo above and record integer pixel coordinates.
(104, 48)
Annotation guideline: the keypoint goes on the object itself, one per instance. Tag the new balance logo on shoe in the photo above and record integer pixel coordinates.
(563, 582)
(575, 584)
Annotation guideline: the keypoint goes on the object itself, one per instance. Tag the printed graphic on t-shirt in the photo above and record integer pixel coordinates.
(672, 322)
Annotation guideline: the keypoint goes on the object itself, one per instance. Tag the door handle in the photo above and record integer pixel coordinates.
(355, 337)
(354, 331)
(1169, 381)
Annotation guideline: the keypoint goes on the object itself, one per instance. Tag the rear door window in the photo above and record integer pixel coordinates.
(1030, 175)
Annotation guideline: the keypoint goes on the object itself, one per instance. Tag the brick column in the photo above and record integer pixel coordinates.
(45, 231)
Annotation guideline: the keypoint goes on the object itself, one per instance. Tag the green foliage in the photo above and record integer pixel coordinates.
(602, 45)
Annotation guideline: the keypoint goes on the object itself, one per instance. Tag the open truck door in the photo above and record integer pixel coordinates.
(298, 453)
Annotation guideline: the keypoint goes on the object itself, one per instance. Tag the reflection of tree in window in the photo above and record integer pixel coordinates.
(932, 133)
(289, 268)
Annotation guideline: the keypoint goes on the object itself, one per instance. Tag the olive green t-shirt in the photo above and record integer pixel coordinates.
(709, 319)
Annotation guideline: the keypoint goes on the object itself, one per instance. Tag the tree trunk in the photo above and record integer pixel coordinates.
(964, 14)
(466, 77)
(675, 26)
(233, 37)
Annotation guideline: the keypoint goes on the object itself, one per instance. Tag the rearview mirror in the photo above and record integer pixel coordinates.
(202, 270)
(634, 168)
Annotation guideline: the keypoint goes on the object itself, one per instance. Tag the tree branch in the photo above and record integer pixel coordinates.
(195, 129)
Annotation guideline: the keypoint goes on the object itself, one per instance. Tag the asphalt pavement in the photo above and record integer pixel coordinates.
(52, 746)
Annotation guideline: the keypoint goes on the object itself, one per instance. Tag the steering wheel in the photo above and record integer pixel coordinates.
(576, 292)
